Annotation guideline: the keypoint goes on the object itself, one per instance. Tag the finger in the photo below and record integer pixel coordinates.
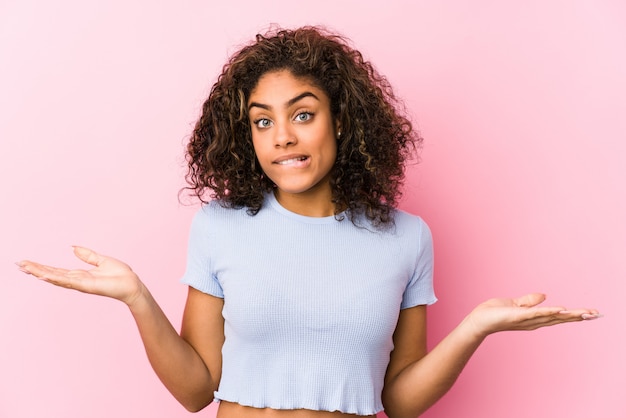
(88, 256)
(532, 299)
(71, 279)
(63, 281)
(549, 310)
(21, 266)
(40, 270)
(548, 323)
(584, 314)
(559, 319)
(588, 312)
(544, 318)
(545, 321)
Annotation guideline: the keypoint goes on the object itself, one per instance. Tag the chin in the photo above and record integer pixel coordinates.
(294, 190)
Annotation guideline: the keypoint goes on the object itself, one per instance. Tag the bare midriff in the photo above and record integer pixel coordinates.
(234, 410)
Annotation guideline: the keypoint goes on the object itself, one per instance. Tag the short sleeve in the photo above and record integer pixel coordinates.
(199, 272)
(420, 289)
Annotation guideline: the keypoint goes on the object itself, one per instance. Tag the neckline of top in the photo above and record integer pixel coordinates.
(324, 220)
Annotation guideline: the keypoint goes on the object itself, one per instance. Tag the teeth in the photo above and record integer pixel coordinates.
(291, 160)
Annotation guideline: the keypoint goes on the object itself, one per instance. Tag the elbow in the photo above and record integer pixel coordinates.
(396, 414)
(391, 413)
(194, 398)
(195, 406)
(195, 402)
(396, 408)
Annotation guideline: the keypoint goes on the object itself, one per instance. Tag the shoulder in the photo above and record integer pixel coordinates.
(405, 222)
(217, 216)
(213, 216)
(404, 218)
(216, 209)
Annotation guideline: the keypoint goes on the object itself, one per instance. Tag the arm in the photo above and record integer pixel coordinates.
(416, 380)
(188, 365)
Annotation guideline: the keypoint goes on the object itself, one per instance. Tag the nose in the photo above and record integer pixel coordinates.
(284, 135)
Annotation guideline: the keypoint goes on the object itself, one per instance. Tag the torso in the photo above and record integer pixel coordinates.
(233, 410)
(325, 343)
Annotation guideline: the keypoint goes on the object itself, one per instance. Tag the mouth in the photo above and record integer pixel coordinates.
(291, 160)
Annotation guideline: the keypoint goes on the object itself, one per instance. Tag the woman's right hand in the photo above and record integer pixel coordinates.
(109, 277)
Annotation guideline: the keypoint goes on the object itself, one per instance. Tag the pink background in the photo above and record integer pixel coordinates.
(522, 182)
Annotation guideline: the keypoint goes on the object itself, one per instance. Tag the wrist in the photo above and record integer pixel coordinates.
(472, 329)
(138, 297)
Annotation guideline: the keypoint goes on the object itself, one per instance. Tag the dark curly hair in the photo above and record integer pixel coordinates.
(376, 140)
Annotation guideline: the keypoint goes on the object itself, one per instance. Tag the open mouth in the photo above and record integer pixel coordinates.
(289, 161)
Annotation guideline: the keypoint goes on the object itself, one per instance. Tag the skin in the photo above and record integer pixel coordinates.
(294, 138)
(291, 117)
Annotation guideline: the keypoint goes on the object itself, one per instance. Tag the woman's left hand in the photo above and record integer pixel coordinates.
(522, 313)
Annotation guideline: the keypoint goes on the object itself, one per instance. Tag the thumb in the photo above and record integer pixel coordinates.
(532, 299)
(88, 256)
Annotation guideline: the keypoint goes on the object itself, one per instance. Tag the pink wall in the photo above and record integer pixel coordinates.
(522, 182)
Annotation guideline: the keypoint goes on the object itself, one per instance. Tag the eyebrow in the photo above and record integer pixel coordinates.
(287, 104)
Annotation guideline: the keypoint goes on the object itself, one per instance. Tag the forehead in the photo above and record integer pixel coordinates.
(281, 85)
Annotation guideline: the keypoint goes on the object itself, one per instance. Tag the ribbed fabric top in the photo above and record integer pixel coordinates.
(310, 304)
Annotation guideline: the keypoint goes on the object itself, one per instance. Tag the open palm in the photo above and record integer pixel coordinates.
(523, 313)
(109, 277)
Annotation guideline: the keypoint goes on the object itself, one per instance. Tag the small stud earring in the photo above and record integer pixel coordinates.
(339, 134)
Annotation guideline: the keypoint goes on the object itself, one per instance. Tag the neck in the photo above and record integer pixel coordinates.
(316, 205)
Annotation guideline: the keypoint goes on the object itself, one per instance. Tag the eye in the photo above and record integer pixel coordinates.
(304, 116)
(263, 123)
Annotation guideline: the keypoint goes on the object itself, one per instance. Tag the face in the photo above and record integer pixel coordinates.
(294, 134)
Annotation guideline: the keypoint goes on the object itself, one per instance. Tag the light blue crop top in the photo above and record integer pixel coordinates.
(310, 304)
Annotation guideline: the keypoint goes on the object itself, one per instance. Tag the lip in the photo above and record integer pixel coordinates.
(290, 159)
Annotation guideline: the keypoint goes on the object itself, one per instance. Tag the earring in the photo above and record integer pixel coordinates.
(339, 134)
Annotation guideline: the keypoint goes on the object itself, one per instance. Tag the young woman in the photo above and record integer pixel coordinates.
(307, 288)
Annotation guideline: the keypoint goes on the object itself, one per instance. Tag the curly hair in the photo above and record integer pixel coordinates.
(377, 137)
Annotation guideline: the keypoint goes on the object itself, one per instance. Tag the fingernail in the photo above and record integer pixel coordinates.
(21, 268)
(589, 317)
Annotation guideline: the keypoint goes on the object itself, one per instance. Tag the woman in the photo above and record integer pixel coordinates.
(307, 288)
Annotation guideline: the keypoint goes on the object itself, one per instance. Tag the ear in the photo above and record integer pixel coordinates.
(337, 129)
